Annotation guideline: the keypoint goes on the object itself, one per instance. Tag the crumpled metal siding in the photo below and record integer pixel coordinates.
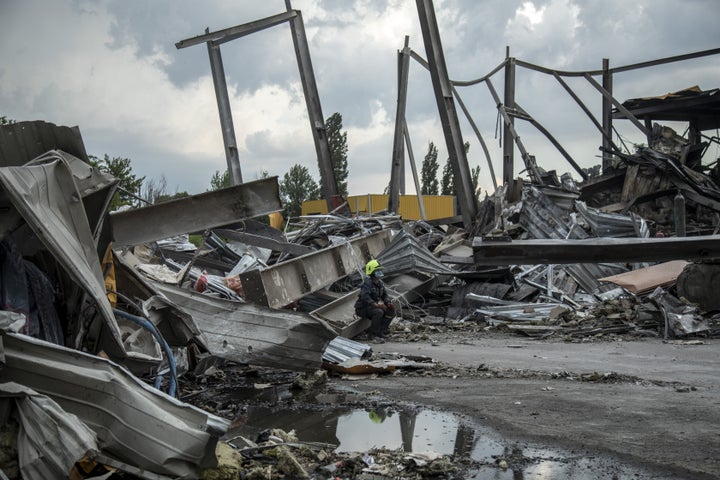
(51, 440)
(134, 422)
(22, 141)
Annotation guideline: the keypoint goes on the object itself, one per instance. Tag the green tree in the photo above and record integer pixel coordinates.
(220, 180)
(428, 174)
(447, 183)
(129, 187)
(6, 121)
(297, 186)
(337, 141)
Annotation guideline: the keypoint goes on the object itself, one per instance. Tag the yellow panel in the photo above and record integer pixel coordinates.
(436, 206)
(313, 207)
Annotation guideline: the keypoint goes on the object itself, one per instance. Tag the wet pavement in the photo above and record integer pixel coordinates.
(336, 417)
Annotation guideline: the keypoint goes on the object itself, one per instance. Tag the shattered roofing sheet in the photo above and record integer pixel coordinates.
(47, 198)
(134, 422)
(253, 334)
(50, 440)
(647, 279)
(701, 106)
(22, 141)
(405, 254)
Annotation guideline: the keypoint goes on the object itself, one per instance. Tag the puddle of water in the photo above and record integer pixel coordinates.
(359, 430)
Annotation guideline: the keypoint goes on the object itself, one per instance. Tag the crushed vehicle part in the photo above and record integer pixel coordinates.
(698, 284)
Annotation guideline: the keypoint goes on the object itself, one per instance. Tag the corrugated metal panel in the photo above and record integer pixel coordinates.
(52, 439)
(22, 141)
(342, 349)
(134, 423)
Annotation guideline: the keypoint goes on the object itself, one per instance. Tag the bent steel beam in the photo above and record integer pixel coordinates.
(448, 114)
(286, 282)
(196, 213)
(595, 250)
(397, 168)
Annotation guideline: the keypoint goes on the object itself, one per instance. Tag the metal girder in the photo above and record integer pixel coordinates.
(196, 213)
(226, 122)
(328, 182)
(232, 33)
(509, 126)
(397, 170)
(595, 250)
(252, 334)
(448, 115)
(286, 282)
(264, 242)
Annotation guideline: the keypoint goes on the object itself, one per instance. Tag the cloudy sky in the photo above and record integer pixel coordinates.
(111, 68)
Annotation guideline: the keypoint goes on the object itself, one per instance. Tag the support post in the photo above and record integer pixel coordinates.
(397, 170)
(448, 115)
(607, 83)
(328, 183)
(509, 101)
(226, 122)
(411, 158)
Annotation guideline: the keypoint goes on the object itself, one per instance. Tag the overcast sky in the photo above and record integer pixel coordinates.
(111, 68)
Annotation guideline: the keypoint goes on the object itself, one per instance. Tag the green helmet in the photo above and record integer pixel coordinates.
(372, 266)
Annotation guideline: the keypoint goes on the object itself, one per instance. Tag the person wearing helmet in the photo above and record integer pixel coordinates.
(374, 302)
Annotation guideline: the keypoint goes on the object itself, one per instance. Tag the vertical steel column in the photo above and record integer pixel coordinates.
(607, 83)
(226, 122)
(328, 182)
(397, 170)
(411, 158)
(448, 114)
(508, 144)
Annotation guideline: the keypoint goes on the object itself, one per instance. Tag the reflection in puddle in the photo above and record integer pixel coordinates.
(360, 430)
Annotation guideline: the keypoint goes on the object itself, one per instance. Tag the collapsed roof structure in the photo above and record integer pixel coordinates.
(94, 299)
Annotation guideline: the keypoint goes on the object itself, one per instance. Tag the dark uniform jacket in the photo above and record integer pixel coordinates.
(371, 292)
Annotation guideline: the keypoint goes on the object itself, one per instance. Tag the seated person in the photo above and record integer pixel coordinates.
(374, 302)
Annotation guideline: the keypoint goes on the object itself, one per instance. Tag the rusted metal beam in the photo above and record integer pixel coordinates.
(232, 33)
(196, 213)
(286, 282)
(448, 115)
(328, 182)
(595, 250)
(397, 167)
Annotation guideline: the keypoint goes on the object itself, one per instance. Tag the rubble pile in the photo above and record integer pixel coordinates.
(122, 309)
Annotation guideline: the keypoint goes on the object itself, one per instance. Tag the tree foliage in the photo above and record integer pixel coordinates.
(129, 187)
(475, 178)
(297, 186)
(447, 183)
(6, 121)
(428, 175)
(220, 180)
(337, 141)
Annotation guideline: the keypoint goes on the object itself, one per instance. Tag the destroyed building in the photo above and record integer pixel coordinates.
(104, 312)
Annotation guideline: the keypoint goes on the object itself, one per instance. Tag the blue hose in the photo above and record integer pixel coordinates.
(148, 325)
